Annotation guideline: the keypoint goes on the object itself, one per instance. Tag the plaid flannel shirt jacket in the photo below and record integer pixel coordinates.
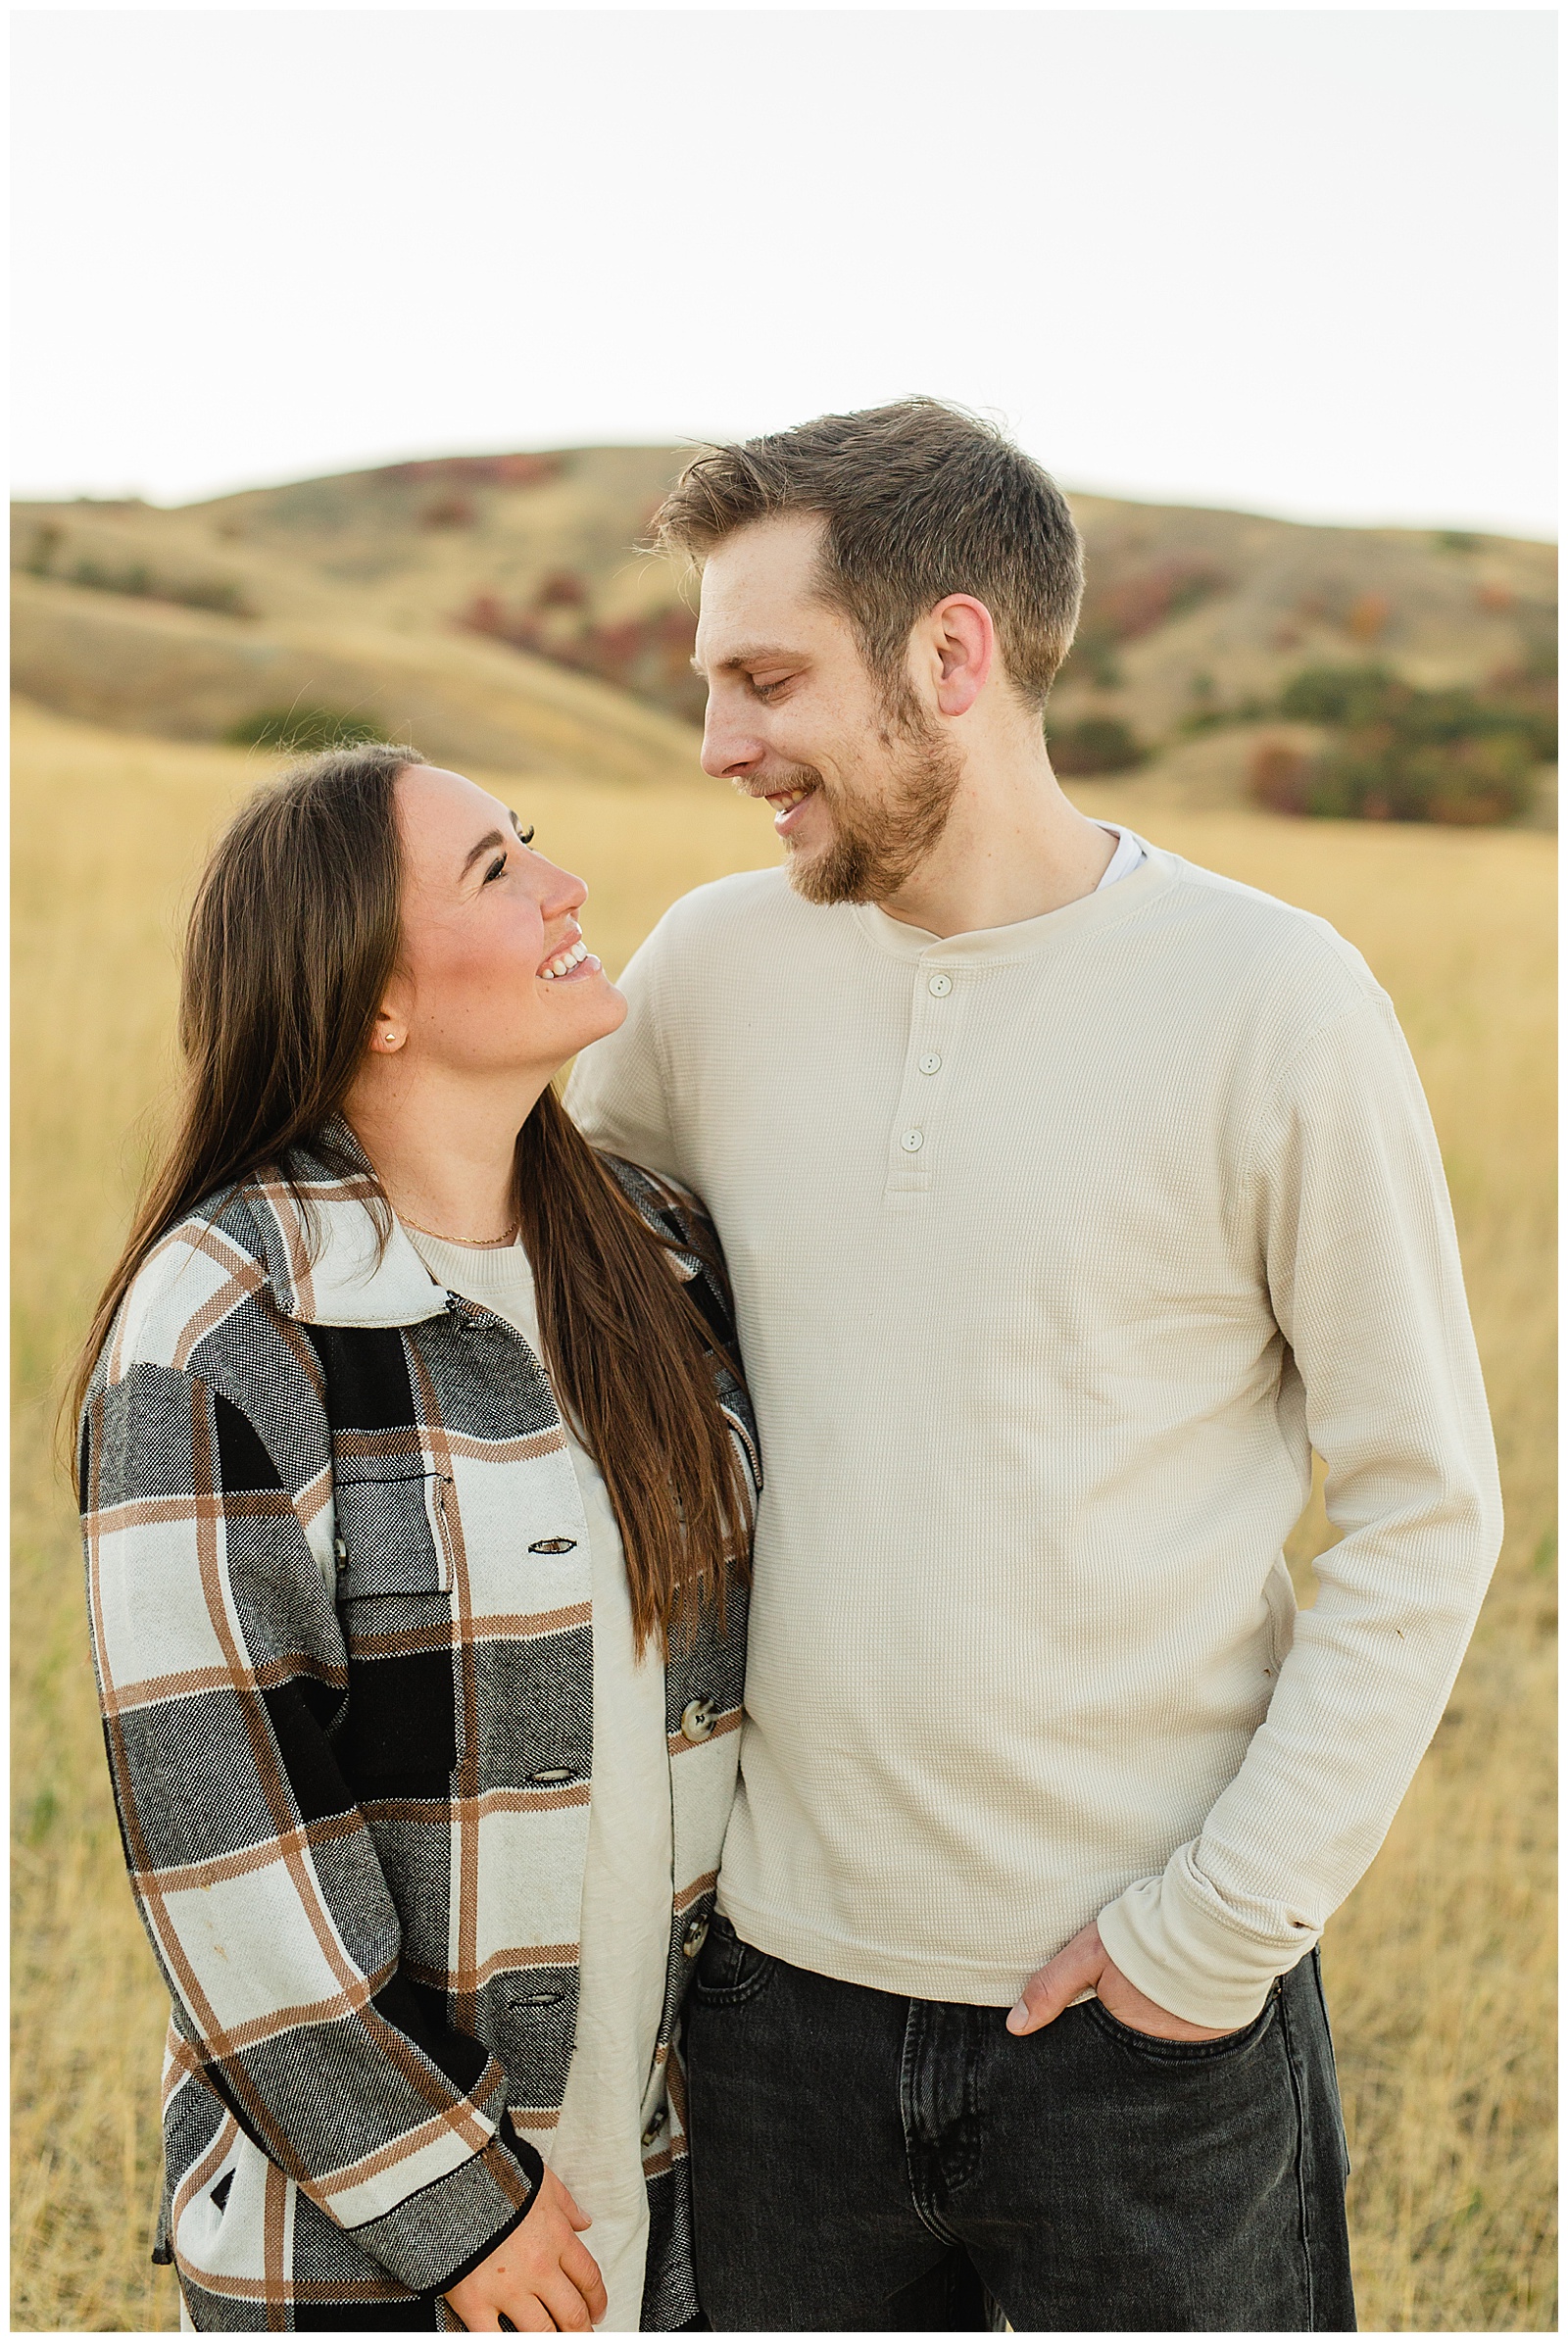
(340, 1591)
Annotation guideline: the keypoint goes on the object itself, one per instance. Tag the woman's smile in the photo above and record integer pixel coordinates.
(574, 959)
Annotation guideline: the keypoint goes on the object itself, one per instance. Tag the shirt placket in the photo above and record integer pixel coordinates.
(913, 1143)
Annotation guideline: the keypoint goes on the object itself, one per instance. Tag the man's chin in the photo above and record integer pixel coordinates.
(830, 874)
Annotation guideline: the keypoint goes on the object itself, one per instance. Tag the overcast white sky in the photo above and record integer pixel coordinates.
(1294, 262)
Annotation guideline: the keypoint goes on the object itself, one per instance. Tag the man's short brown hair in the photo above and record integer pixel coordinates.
(921, 500)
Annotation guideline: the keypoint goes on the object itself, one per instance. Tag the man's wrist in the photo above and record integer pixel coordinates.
(1185, 1960)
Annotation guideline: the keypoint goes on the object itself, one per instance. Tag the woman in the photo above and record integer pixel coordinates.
(418, 1486)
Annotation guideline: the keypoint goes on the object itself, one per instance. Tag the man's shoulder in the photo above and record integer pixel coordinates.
(1266, 942)
(747, 905)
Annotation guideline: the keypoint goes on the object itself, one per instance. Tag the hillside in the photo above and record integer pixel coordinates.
(452, 598)
(137, 665)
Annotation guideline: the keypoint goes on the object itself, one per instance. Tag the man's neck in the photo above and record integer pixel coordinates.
(1014, 848)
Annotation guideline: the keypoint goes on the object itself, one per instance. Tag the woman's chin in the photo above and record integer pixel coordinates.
(589, 1007)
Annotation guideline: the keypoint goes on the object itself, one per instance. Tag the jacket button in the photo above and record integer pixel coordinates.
(656, 2124)
(696, 1935)
(697, 1718)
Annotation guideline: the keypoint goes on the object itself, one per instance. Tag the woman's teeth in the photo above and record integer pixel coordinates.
(566, 961)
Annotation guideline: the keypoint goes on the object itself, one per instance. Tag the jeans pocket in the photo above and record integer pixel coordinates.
(728, 1971)
(1187, 2053)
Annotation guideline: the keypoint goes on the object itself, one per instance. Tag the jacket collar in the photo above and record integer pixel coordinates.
(325, 1259)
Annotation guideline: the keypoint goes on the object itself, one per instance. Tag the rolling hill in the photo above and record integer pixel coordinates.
(494, 608)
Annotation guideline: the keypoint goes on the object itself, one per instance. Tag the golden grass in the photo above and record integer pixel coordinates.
(1439, 1968)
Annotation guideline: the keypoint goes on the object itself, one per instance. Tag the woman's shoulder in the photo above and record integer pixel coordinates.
(680, 1217)
(662, 1201)
(206, 1269)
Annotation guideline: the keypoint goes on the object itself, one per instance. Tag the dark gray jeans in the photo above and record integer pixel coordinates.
(865, 2163)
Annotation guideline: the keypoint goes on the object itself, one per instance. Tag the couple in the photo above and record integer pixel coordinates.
(1058, 1198)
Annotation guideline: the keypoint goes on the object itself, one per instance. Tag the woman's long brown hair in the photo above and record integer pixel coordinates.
(294, 934)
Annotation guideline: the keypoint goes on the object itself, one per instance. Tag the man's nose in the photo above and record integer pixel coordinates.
(729, 752)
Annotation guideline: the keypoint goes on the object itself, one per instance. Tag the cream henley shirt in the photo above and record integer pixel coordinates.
(1056, 1249)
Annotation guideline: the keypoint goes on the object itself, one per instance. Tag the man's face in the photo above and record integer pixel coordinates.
(861, 779)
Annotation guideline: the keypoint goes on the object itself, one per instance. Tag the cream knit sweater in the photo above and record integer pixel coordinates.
(1056, 1249)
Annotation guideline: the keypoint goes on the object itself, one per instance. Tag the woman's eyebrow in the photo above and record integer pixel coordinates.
(494, 838)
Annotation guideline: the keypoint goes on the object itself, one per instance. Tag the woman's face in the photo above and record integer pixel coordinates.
(494, 976)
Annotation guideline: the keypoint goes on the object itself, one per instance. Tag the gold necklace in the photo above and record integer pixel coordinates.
(475, 1244)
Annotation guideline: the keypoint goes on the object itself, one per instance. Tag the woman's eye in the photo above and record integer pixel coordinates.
(496, 868)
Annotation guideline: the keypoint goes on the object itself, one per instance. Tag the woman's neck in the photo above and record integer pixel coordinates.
(444, 1152)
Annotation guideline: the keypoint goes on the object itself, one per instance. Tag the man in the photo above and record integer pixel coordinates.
(1071, 1195)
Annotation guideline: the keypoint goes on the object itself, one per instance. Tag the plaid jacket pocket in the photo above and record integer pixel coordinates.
(394, 1580)
(392, 1532)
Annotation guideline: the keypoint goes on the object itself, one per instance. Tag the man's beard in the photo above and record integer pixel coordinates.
(877, 846)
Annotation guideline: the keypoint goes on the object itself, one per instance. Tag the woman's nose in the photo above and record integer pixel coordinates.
(562, 890)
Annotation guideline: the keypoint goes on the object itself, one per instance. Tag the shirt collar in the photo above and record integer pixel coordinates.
(1024, 938)
(321, 1238)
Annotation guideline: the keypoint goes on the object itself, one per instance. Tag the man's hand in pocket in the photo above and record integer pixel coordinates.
(1085, 1965)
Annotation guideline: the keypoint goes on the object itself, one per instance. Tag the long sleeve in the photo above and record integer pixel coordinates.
(1356, 1241)
(222, 1672)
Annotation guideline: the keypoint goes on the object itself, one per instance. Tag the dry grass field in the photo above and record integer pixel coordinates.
(1441, 1968)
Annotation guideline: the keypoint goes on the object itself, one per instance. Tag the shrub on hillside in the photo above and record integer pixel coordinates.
(1123, 608)
(1096, 744)
(650, 656)
(298, 731)
(473, 472)
(1370, 777)
(1518, 706)
(1406, 755)
(135, 579)
(1338, 694)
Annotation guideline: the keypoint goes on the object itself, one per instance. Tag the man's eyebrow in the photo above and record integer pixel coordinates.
(753, 654)
(494, 838)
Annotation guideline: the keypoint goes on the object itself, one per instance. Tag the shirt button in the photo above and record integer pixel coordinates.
(656, 2125)
(697, 1720)
(940, 986)
(913, 1142)
(931, 1062)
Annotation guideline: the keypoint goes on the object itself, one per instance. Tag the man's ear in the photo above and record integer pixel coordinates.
(963, 638)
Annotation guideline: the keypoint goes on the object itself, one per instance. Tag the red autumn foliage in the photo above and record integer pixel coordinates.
(649, 656)
(1135, 606)
(448, 512)
(473, 472)
(1367, 616)
(562, 588)
(1280, 777)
